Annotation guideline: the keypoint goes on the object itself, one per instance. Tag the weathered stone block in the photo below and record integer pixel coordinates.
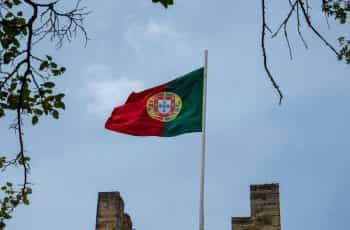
(110, 212)
(265, 209)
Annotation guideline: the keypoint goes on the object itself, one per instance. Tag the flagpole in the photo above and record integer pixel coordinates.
(204, 108)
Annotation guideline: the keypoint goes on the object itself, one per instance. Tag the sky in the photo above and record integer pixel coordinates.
(303, 145)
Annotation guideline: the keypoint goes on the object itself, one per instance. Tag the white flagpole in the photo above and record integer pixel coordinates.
(204, 108)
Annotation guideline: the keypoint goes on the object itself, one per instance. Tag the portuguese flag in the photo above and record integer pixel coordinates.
(166, 110)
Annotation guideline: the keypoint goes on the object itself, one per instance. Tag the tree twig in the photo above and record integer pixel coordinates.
(263, 34)
(308, 21)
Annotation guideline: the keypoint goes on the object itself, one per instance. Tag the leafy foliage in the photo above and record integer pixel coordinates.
(345, 49)
(165, 3)
(340, 10)
(27, 81)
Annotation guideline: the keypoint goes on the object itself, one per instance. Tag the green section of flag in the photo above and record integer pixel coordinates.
(190, 89)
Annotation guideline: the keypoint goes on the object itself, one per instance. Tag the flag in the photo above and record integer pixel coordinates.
(165, 110)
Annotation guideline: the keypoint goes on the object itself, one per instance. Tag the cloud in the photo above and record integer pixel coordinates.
(156, 36)
(107, 92)
(155, 30)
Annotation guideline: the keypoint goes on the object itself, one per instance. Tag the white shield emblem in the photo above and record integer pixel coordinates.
(164, 106)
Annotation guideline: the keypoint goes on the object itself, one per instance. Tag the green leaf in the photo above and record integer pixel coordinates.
(56, 72)
(2, 112)
(8, 15)
(8, 4)
(35, 120)
(44, 65)
(17, 2)
(7, 216)
(26, 159)
(13, 86)
(14, 203)
(25, 201)
(7, 57)
(55, 114)
(49, 84)
(5, 43)
(59, 96)
(38, 112)
(2, 161)
(29, 191)
(2, 224)
(60, 105)
(53, 65)
(165, 3)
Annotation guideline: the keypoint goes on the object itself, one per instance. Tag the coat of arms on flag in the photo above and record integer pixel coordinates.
(164, 106)
(165, 110)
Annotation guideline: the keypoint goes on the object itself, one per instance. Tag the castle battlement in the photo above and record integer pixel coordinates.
(264, 209)
(110, 212)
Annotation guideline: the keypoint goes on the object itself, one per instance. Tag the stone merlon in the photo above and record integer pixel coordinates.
(110, 212)
(264, 209)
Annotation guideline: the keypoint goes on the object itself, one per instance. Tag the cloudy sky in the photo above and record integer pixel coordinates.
(303, 145)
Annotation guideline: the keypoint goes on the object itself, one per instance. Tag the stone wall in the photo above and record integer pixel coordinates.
(264, 206)
(110, 212)
(265, 209)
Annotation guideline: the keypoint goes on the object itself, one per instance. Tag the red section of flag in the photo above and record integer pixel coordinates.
(132, 117)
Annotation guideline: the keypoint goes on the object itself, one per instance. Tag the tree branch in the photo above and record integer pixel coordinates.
(20, 90)
(263, 33)
(308, 21)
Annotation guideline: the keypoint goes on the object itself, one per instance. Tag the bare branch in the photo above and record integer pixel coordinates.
(51, 18)
(308, 21)
(19, 89)
(263, 34)
(284, 26)
(15, 70)
(299, 26)
(287, 40)
(285, 21)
